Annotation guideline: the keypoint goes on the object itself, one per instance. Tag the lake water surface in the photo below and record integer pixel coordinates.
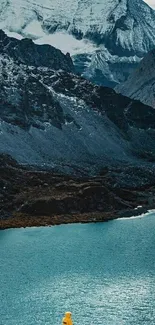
(104, 273)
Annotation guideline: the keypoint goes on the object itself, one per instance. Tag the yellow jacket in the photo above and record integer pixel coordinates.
(67, 319)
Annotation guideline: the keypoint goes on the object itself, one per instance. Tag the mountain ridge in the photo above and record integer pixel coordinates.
(55, 118)
(85, 153)
(27, 52)
(120, 40)
(141, 83)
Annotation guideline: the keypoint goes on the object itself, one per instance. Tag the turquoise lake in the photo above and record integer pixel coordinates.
(103, 273)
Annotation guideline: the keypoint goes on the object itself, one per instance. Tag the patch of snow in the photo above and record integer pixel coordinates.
(34, 30)
(134, 217)
(13, 34)
(151, 3)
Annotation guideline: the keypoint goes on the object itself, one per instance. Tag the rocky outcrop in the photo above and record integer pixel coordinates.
(122, 111)
(26, 52)
(141, 83)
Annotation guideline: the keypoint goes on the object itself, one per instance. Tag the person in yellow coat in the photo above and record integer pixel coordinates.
(67, 320)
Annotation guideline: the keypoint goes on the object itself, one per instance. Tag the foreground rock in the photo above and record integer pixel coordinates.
(31, 197)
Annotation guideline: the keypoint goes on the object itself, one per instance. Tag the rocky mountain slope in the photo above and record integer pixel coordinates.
(84, 153)
(56, 118)
(107, 38)
(141, 83)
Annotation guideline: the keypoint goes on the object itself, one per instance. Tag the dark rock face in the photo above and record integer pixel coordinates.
(29, 85)
(141, 83)
(120, 109)
(26, 52)
(25, 100)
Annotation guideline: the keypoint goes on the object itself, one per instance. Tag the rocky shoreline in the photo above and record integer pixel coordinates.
(23, 221)
(31, 197)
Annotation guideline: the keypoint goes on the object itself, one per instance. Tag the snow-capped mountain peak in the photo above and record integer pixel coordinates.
(87, 28)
